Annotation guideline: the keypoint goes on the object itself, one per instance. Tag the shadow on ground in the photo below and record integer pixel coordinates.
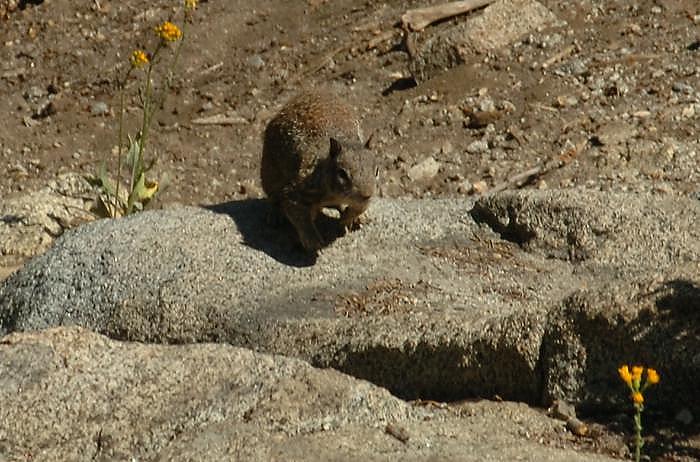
(278, 241)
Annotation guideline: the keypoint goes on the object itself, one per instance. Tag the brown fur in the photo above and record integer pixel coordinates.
(303, 170)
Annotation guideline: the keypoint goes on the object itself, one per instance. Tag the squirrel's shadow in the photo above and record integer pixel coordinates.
(278, 241)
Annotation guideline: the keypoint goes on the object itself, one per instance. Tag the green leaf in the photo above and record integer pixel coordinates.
(132, 153)
(145, 190)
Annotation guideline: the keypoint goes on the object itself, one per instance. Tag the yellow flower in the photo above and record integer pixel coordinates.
(625, 375)
(637, 397)
(168, 32)
(190, 4)
(652, 376)
(637, 375)
(138, 58)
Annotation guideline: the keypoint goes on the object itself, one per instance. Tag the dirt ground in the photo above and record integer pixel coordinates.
(607, 98)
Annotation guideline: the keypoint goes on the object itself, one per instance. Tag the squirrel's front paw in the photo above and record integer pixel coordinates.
(312, 243)
(354, 223)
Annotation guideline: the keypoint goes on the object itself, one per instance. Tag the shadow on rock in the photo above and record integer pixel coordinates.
(442, 372)
(670, 440)
(598, 330)
(680, 297)
(278, 241)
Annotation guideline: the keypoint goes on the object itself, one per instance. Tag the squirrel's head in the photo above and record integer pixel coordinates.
(352, 172)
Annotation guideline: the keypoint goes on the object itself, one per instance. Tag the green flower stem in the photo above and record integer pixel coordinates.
(638, 442)
(119, 158)
(122, 91)
(148, 111)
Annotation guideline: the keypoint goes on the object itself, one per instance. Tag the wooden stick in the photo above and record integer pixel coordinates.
(520, 179)
(219, 119)
(566, 51)
(420, 18)
(515, 180)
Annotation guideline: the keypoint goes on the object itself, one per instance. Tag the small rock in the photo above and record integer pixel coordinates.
(681, 87)
(684, 416)
(506, 106)
(478, 147)
(424, 170)
(562, 410)
(480, 187)
(578, 67)
(688, 112)
(487, 105)
(44, 108)
(446, 148)
(99, 108)
(481, 119)
(565, 101)
(465, 187)
(256, 61)
(34, 94)
(614, 133)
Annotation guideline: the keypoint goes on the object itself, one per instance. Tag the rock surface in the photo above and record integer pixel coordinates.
(512, 19)
(29, 224)
(70, 394)
(598, 280)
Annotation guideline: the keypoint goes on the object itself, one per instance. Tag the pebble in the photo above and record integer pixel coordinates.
(487, 105)
(44, 108)
(446, 148)
(681, 87)
(425, 170)
(256, 61)
(480, 187)
(478, 147)
(99, 108)
(684, 416)
(33, 94)
(578, 67)
(688, 112)
(565, 101)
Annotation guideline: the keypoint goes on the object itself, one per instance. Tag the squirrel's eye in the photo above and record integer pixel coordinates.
(343, 177)
(376, 173)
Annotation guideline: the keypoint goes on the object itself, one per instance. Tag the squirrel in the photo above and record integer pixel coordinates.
(314, 156)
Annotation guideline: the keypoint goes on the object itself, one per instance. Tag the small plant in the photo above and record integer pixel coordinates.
(118, 200)
(634, 383)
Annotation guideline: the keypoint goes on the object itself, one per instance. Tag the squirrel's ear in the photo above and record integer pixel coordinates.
(335, 149)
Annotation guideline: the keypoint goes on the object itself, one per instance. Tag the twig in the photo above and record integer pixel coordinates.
(213, 68)
(320, 64)
(544, 107)
(558, 56)
(515, 180)
(522, 178)
(219, 119)
(386, 35)
(420, 18)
